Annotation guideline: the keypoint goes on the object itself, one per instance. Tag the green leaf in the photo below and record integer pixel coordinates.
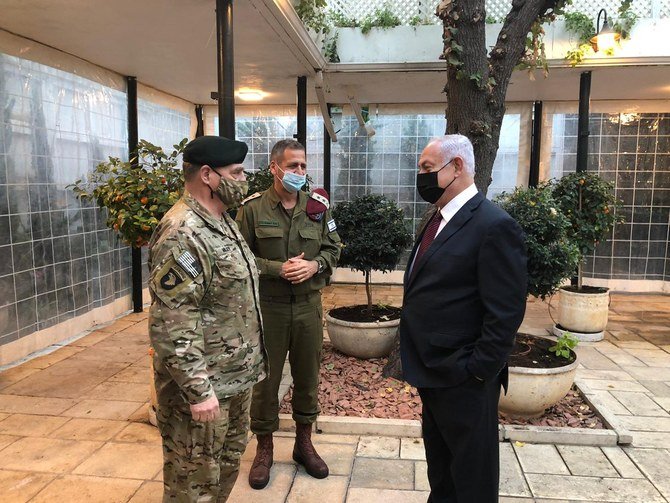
(119, 188)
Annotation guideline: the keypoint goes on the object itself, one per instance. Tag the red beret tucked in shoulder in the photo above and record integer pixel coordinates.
(317, 204)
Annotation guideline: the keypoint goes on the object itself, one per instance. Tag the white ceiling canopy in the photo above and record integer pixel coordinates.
(166, 44)
(171, 45)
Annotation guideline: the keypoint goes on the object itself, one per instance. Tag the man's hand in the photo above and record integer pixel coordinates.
(297, 269)
(206, 411)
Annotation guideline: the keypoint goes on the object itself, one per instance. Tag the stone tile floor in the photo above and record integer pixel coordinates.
(73, 426)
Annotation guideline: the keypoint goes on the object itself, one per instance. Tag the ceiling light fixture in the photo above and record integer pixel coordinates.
(250, 94)
(605, 37)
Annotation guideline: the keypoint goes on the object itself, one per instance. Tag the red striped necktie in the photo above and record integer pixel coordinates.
(428, 237)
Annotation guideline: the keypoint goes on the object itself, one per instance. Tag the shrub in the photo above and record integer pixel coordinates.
(374, 235)
(591, 208)
(552, 256)
(136, 197)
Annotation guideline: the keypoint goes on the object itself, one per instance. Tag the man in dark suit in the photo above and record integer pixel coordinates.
(464, 300)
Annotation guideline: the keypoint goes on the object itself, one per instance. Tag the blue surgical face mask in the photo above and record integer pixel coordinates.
(292, 182)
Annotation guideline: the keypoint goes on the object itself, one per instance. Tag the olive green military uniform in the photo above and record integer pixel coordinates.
(205, 328)
(292, 313)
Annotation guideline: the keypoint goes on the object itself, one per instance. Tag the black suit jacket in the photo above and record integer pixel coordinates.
(466, 299)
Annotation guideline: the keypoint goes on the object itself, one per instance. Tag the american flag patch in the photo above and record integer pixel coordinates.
(190, 264)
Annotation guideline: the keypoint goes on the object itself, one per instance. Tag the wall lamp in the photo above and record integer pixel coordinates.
(605, 37)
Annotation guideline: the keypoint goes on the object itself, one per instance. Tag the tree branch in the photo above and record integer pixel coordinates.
(510, 46)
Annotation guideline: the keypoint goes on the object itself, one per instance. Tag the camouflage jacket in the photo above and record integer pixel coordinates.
(275, 236)
(204, 322)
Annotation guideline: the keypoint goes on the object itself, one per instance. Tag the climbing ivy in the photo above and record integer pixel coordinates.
(313, 15)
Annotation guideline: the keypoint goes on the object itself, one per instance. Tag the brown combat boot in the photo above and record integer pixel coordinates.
(305, 454)
(259, 475)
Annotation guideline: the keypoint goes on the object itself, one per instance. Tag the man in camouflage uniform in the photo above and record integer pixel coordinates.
(296, 245)
(205, 326)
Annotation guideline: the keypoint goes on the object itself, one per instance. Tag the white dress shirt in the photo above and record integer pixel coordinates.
(451, 208)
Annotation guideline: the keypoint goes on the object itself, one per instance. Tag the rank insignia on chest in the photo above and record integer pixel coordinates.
(171, 279)
(190, 264)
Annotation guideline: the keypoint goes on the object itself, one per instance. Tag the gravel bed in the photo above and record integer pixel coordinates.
(353, 387)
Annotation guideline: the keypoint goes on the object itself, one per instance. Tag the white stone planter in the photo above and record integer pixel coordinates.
(583, 312)
(362, 339)
(531, 391)
(415, 44)
(396, 45)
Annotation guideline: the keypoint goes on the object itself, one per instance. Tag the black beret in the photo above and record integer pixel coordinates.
(215, 151)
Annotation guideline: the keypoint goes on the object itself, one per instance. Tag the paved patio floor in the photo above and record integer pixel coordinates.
(73, 426)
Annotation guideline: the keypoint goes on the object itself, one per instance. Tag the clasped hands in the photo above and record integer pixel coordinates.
(297, 269)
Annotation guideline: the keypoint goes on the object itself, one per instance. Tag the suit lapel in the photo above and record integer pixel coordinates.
(421, 229)
(454, 225)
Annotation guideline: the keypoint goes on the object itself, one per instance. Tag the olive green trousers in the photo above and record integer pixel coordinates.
(295, 328)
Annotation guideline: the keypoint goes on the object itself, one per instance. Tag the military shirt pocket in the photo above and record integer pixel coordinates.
(269, 232)
(269, 242)
(310, 242)
(171, 284)
(232, 269)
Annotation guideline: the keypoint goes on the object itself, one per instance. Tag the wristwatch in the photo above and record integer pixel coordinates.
(321, 267)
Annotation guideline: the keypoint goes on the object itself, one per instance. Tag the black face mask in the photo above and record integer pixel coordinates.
(428, 186)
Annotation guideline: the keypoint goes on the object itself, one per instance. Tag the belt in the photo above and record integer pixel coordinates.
(290, 299)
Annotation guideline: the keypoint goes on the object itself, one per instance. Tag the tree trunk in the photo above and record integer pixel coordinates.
(368, 289)
(393, 367)
(477, 83)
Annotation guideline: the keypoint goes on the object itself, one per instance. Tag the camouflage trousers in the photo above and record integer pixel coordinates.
(201, 460)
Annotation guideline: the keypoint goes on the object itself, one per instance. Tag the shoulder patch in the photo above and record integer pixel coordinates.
(171, 279)
(190, 264)
(252, 197)
(331, 225)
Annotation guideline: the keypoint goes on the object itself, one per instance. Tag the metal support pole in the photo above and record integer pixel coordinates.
(136, 253)
(535, 146)
(301, 135)
(326, 156)
(225, 66)
(200, 123)
(583, 124)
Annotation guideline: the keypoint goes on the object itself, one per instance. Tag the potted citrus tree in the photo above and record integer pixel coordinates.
(541, 370)
(590, 205)
(136, 194)
(374, 236)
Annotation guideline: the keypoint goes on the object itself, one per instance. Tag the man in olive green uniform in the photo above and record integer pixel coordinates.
(205, 326)
(296, 250)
